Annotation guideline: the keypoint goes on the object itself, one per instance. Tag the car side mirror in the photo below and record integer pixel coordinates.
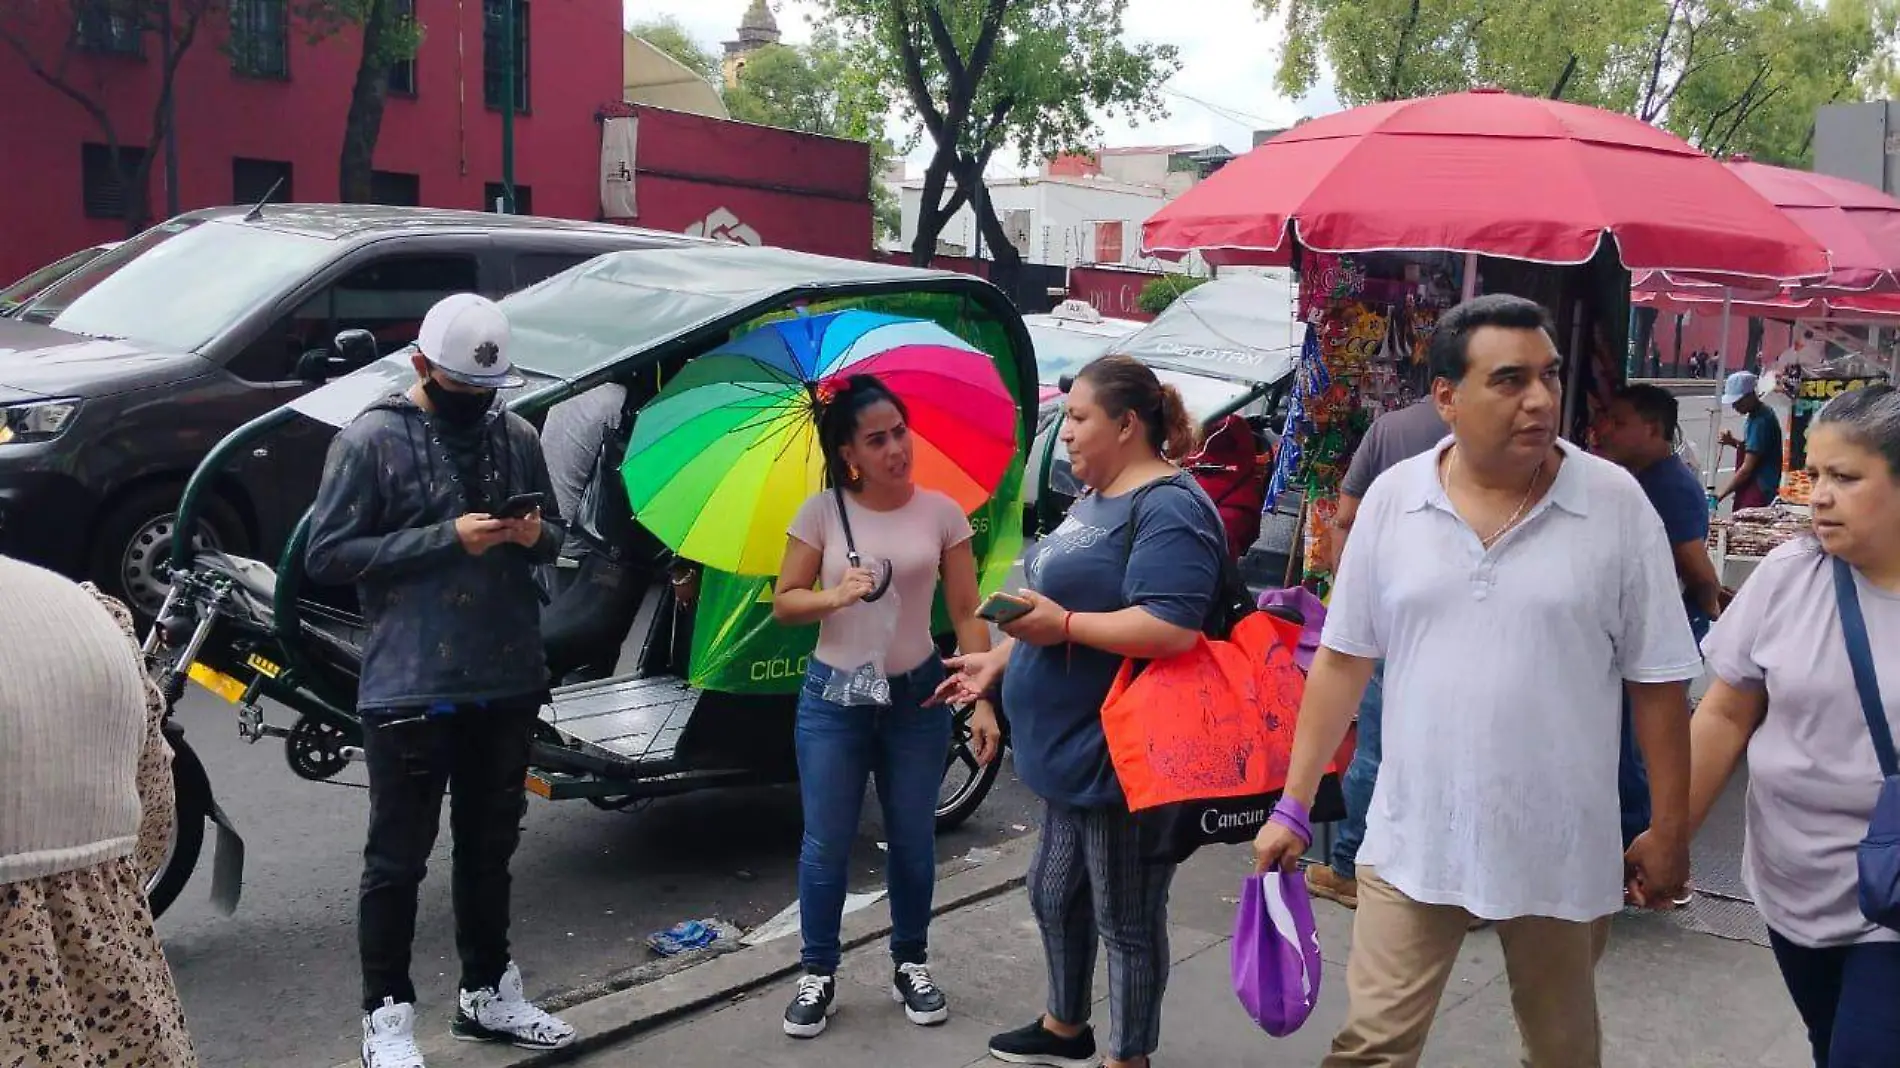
(357, 348)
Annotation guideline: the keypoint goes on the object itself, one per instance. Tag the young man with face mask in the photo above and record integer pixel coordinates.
(453, 669)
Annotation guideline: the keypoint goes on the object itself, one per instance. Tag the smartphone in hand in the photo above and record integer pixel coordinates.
(1001, 608)
(521, 506)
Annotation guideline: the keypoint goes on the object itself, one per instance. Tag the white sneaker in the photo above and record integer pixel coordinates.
(502, 1014)
(389, 1037)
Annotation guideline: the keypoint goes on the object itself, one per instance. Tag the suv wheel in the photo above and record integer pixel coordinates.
(131, 557)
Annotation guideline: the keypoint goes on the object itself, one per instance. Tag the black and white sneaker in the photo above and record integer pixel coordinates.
(923, 1003)
(502, 1014)
(389, 1037)
(1036, 1044)
(812, 1006)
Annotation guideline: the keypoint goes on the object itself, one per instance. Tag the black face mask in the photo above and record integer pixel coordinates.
(457, 409)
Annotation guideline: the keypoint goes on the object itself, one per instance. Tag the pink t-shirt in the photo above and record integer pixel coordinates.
(913, 538)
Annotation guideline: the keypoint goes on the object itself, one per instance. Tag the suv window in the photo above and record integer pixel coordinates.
(533, 267)
(388, 298)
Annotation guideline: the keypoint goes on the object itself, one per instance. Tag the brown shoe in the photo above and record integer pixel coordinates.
(1323, 881)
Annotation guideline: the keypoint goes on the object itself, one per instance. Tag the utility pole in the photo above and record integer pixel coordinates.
(171, 113)
(508, 91)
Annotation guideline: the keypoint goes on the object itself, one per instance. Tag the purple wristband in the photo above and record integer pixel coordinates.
(1292, 815)
(1300, 831)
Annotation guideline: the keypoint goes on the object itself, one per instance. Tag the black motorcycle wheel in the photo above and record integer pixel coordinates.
(965, 783)
(190, 811)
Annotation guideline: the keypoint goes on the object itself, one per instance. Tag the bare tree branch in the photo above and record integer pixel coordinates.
(1647, 112)
(1563, 79)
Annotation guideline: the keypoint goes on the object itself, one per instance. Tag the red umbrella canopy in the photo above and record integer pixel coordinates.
(1857, 224)
(1491, 173)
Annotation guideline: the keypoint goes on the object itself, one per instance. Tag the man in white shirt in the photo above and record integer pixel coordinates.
(1515, 587)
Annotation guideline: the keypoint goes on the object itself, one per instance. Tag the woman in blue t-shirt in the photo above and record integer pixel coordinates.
(1132, 572)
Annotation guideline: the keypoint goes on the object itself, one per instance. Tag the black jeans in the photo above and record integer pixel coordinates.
(1849, 999)
(481, 754)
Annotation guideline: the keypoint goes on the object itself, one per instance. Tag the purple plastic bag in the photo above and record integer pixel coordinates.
(1276, 952)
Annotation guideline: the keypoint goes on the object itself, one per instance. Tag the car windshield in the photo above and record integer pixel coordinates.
(27, 288)
(1063, 352)
(179, 284)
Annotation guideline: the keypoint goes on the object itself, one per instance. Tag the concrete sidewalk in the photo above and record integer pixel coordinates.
(1670, 997)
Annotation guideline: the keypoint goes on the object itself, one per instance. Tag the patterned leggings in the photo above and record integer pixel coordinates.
(1089, 885)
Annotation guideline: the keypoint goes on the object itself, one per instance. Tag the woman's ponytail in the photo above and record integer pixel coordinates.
(1124, 384)
(1180, 437)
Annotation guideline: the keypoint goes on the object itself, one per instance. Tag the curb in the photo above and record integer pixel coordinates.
(614, 1018)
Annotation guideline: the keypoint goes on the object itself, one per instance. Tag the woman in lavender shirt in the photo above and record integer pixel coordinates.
(1784, 694)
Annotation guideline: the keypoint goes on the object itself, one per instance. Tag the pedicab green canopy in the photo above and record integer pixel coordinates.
(625, 313)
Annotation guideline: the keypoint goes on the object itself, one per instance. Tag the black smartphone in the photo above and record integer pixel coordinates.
(521, 505)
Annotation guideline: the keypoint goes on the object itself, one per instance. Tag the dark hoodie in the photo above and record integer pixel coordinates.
(445, 627)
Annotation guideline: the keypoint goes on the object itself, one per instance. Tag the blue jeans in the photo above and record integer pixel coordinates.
(1361, 776)
(1848, 998)
(1632, 778)
(904, 746)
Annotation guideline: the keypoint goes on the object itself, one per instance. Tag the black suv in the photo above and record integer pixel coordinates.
(116, 382)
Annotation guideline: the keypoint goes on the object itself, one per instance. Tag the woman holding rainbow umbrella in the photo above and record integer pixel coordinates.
(868, 439)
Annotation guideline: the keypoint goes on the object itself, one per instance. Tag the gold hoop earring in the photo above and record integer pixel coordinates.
(851, 473)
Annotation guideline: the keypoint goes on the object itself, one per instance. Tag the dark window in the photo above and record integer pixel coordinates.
(402, 73)
(524, 198)
(100, 26)
(260, 38)
(395, 188)
(105, 198)
(252, 180)
(388, 298)
(493, 69)
(532, 267)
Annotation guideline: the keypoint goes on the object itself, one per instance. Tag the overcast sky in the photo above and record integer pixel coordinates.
(1224, 91)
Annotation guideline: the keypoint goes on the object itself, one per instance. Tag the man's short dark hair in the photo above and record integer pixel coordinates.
(1656, 406)
(1451, 339)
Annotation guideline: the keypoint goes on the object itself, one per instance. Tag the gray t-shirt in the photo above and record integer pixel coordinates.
(571, 439)
(1395, 436)
(1812, 772)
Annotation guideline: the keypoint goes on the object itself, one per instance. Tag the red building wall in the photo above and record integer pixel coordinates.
(752, 184)
(444, 134)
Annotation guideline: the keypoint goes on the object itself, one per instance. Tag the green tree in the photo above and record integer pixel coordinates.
(671, 36)
(817, 89)
(1726, 75)
(976, 76)
(1158, 293)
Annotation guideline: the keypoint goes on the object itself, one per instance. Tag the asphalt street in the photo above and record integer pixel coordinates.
(276, 984)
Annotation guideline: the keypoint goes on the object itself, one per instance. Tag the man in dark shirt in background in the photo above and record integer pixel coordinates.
(1397, 435)
(411, 512)
(1758, 477)
(1639, 433)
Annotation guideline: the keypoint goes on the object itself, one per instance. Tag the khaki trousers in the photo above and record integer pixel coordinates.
(1403, 953)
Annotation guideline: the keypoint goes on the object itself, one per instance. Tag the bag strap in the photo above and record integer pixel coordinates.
(1229, 580)
(1860, 655)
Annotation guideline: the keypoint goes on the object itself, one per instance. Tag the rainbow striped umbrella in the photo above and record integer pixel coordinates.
(721, 460)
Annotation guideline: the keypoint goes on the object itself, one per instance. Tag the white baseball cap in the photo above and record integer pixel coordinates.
(466, 336)
(1739, 385)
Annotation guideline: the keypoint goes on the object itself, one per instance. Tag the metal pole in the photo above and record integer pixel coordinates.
(1471, 277)
(171, 117)
(1721, 372)
(509, 63)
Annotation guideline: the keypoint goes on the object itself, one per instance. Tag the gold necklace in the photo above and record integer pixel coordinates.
(1536, 475)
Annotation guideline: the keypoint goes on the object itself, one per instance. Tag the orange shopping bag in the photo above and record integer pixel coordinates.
(1202, 741)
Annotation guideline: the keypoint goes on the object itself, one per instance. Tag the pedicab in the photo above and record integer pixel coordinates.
(702, 692)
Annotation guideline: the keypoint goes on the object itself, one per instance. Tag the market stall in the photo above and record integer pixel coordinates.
(1394, 212)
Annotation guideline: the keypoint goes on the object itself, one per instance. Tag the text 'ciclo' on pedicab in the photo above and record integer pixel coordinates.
(723, 351)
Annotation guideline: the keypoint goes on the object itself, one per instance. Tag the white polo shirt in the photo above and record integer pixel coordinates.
(1503, 683)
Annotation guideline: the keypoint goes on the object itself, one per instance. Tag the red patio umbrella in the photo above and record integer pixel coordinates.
(1491, 173)
(1857, 224)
